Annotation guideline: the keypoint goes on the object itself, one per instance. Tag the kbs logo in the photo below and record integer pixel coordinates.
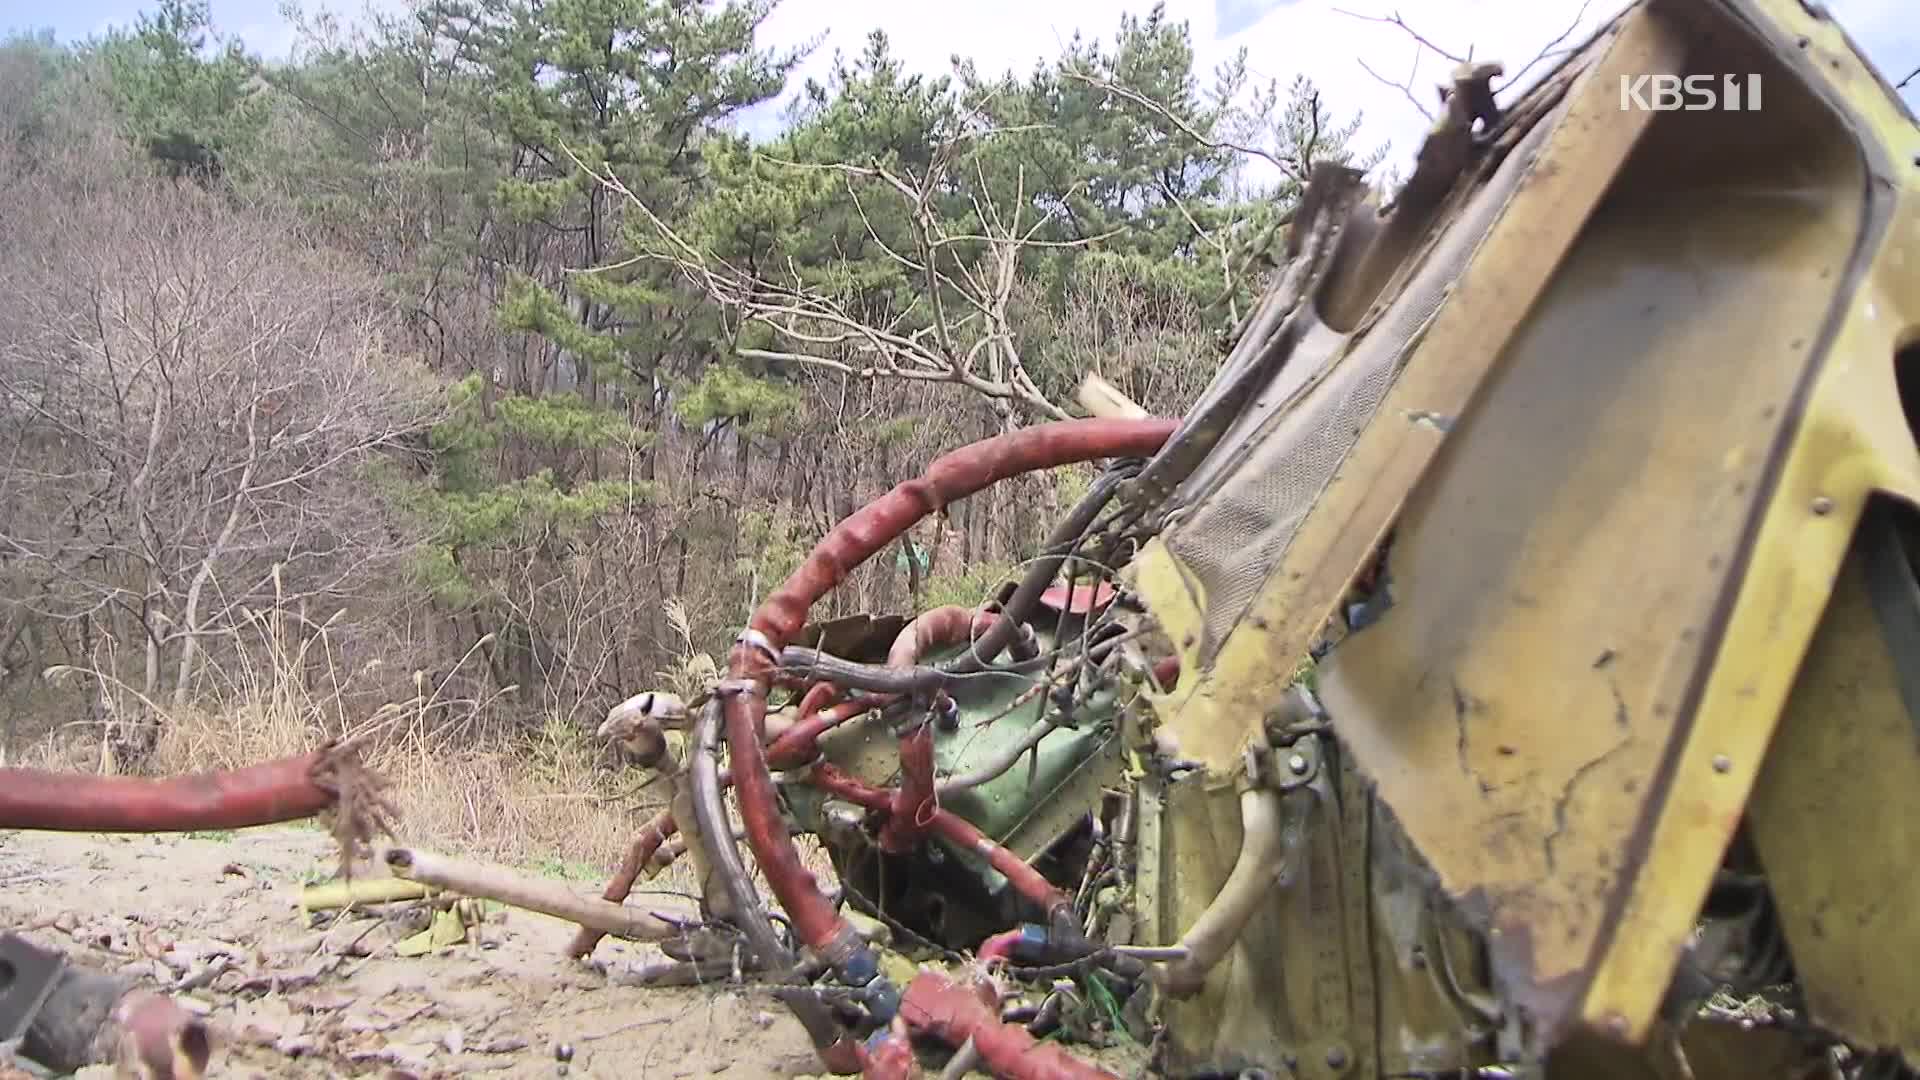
(1694, 93)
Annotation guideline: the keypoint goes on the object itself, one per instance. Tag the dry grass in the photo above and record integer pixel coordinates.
(544, 802)
(544, 799)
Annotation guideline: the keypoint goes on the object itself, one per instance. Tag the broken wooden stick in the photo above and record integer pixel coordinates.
(1101, 398)
(515, 890)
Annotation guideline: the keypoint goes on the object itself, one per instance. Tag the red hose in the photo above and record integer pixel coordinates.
(999, 947)
(912, 808)
(818, 696)
(891, 1058)
(952, 828)
(800, 743)
(913, 803)
(651, 836)
(939, 628)
(949, 478)
(954, 1013)
(289, 789)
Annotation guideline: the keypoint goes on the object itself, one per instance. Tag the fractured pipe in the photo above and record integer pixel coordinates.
(651, 836)
(957, 1014)
(289, 789)
(750, 666)
(1250, 884)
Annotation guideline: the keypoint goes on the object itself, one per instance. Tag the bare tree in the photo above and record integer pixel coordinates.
(192, 404)
(963, 335)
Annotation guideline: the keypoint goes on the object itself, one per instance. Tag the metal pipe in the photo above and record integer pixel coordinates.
(835, 1048)
(1261, 861)
(879, 679)
(1040, 574)
(750, 666)
(996, 766)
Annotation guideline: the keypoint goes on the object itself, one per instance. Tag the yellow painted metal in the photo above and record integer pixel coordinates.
(1555, 577)
(1606, 582)
(1846, 764)
(1333, 979)
(1851, 441)
(1214, 713)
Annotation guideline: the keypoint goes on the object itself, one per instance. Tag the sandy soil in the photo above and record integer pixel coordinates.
(291, 999)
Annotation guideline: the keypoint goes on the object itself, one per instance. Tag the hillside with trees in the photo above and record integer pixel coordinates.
(471, 369)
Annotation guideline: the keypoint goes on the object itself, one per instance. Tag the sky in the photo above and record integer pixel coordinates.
(1317, 38)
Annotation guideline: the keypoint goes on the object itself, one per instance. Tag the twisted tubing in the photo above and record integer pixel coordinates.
(800, 743)
(947, 479)
(952, 828)
(913, 800)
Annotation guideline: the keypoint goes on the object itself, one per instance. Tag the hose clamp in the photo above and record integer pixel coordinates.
(727, 688)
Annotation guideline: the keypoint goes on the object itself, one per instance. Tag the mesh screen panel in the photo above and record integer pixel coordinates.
(1255, 489)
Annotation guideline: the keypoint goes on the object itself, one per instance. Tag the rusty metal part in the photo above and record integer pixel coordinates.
(648, 841)
(957, 1014)
(949, 478)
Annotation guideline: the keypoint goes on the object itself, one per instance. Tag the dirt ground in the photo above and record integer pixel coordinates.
(218, 915)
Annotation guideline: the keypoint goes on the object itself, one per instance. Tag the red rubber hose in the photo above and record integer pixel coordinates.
(289, 789)
(651, 836)
(949, 478)
(952, 828)
(913, 801)
(955, 1013)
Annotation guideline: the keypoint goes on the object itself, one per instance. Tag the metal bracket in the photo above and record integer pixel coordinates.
(27, 976)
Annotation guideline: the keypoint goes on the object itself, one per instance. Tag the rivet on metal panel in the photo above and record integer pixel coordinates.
(1721, 763)
(1822, 505)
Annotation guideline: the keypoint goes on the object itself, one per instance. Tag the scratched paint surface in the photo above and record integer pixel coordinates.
(1554, 580)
